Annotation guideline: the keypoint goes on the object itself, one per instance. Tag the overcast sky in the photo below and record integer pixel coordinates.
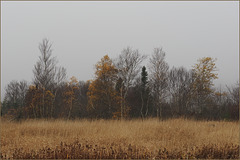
(83, 32)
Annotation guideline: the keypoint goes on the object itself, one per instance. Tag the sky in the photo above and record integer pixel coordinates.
(83, 32)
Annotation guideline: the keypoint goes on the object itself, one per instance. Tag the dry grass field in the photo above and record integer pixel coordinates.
(102, 139)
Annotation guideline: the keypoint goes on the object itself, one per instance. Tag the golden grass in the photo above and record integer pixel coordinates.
(151, 138)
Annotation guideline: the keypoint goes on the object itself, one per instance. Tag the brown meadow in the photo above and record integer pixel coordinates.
(103, 139)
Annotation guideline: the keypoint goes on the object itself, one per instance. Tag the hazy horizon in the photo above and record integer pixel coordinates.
(83, 32)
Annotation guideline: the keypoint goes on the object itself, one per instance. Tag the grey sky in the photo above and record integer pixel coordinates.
(83, 32)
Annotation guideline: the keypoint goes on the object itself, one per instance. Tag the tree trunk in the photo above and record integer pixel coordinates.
(146, 113)
(34, 113)
(52, 105)
(70, 110)
(121, 103)
(160, 110)
(141, 111)
(43, 105)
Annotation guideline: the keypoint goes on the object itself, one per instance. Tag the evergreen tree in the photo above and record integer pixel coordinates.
(144, 93)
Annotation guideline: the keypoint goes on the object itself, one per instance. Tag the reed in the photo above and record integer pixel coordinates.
(174, 138)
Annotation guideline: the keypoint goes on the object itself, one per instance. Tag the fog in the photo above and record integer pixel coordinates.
(83, 32)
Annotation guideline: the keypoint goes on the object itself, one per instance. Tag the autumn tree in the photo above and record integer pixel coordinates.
(158, 79)
(37, 105)
(32, 100)
(128, 67)
(103, 99)
(204, 72)
(70, 95)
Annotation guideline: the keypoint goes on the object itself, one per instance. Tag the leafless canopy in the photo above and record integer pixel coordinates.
(158, 78)
(16, 91)
(159, 71)
(128, 64)
(46, 73)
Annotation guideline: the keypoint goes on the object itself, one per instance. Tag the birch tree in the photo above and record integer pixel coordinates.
(158, 68)
(128, 65)
(70, 95)
(103, 99)
(204, 72)
(180, 88)
(47, 75)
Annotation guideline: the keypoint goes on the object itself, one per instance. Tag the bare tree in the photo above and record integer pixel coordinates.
(45, 68)
(23, 88)
(234, 93)
(128, 67)
(59, 80)
(47, 76)
(180, 80)
(158, 78)
(233, 96)
(15, 96)
(83, 99)
(12, 92)
(16, 91)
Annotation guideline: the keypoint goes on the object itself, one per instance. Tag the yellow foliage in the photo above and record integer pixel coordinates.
(70, 92)
(38, 100)
(105, 69)
(116, 115)
(204, 74)
(220, 94)
(101, 91)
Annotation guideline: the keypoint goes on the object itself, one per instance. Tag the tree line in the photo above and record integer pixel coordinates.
(121, 89)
